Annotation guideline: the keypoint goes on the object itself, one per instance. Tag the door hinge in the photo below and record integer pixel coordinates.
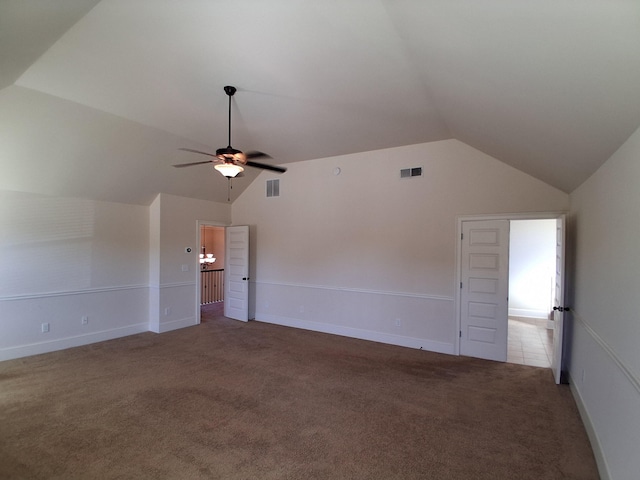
(460, 284)
(462, 236)
(460, 333)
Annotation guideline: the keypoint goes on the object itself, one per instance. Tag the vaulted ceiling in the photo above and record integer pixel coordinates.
(96, 97)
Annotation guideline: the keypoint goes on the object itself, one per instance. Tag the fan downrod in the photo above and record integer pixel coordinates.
(230, 156)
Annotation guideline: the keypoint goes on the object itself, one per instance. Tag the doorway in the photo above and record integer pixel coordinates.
(485, 297)
(532, 256)
(211, 250)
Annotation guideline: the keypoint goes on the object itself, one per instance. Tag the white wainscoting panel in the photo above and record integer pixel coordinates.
(398, 318)
(606, 389)
(110, 312)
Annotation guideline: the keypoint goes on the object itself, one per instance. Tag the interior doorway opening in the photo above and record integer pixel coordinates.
(532, 270)
(212, 269)
(483, 300)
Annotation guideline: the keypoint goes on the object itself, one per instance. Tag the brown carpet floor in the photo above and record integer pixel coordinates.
(229, 400)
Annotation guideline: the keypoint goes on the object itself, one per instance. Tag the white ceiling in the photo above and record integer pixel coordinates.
(97, 96)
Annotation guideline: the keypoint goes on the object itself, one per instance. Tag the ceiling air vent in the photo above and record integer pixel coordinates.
(411, 172)
(273, 188)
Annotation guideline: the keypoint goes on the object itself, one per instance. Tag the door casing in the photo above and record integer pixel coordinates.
(458, 243)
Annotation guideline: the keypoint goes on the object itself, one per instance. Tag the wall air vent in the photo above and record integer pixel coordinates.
(273, 188)
(411, 172)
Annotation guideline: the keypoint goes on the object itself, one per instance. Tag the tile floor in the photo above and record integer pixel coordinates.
(529, 342)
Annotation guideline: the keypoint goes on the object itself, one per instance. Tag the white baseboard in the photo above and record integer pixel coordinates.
(69, 342)
(528, 313)
(174, 325)
(603, 468)
(399, 340)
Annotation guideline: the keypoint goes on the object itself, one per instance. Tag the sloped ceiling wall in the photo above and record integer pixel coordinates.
(549, 87)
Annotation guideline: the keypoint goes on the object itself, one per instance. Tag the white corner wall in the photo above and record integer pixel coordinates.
(174, 273)
(604, 365)
(366, 254)
(118, 265)
(63, 259)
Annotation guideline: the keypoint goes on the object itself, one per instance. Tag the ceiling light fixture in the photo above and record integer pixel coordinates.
(229, 170)
(230, 161)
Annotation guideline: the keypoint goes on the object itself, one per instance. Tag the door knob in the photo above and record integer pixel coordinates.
(562, 309)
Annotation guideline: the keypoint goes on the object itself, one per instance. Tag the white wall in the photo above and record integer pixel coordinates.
(65, 258)
(367, 254)
(605, 359)
(532, 255)
(173, 295)
(119, 265)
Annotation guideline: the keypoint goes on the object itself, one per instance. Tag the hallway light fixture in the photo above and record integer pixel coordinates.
(208, 259)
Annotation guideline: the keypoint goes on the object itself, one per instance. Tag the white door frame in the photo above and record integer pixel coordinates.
(237, 270)
(202, 223)
(458, 244)
(559, 295)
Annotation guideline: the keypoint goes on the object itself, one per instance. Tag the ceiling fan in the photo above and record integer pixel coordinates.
(229, 161)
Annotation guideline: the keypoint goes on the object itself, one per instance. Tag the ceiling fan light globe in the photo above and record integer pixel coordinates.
(229, 170)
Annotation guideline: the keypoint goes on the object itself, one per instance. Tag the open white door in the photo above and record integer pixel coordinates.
(484, 289)
(558, 301)
(236, 281)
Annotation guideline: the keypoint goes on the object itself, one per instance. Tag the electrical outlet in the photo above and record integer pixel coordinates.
(167, 311)
(582, 379)
(185, 267)
(301, 309)
(398, 322)
(45, 327)
(84, 320)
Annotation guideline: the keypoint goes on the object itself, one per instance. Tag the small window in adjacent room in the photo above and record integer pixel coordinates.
(273, 188)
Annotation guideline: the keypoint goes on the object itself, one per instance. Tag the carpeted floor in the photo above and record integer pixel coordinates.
(229, 400)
